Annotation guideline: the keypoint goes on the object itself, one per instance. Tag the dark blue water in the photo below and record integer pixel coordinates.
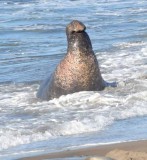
(33, 41)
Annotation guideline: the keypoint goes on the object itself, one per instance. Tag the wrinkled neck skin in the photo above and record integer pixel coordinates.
(79, 43)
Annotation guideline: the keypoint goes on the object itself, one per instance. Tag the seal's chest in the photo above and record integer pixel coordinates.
(84, 64)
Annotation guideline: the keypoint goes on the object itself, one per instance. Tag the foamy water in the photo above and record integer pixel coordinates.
(33, 42)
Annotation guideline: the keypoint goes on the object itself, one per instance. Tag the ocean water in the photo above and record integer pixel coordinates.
(33, 41)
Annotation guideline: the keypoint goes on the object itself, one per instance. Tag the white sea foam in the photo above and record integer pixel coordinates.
(67, 115)
(144, 51)
(34, 28)
(129, 44)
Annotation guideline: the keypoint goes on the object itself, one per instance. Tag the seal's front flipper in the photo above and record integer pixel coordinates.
(110, 84)
(43, 92)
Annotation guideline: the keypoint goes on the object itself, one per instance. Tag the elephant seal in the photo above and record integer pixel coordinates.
(77, 71)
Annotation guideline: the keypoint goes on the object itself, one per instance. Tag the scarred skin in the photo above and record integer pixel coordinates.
(79, 69)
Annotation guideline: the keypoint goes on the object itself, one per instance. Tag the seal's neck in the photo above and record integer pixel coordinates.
(79, 43)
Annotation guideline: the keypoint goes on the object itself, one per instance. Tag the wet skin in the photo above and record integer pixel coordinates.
(79, 69)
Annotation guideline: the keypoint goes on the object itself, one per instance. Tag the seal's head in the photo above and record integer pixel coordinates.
(78, 39)
(75, 26)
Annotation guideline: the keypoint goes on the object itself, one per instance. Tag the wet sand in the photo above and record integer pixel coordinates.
(136, 149)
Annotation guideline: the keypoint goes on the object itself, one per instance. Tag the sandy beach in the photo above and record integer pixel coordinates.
(135, 150)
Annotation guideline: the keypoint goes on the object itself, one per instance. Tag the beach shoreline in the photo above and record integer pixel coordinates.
(99, 150)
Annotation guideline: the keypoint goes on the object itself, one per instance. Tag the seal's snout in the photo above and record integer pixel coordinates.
(75, 26)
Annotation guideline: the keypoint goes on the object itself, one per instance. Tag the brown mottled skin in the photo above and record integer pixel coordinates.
(79, 69)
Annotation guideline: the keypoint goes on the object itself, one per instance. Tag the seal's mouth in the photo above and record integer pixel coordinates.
(75, 27)
(72, 32)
